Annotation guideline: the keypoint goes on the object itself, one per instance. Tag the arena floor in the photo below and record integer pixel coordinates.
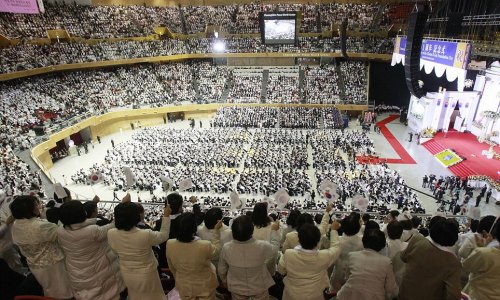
(413, 173)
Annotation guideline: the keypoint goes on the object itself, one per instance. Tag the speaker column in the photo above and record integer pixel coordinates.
(343, 38)
(416, 27)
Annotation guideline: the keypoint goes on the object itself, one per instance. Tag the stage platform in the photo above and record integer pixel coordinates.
(467, 146)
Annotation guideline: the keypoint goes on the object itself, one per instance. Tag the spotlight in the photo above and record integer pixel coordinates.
(219, 47)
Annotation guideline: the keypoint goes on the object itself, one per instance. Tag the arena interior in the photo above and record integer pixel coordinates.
(168, 149)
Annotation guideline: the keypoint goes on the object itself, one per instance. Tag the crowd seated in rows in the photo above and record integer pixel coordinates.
(284, 117)
(125, 21)
(246, 88)
(362, 17)
(283, 89)
(321, 85)
(29, 56)
(90, 21)
(355, 82)
(49, 100)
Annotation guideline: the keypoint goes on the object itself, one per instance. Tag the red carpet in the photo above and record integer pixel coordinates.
(370, 160)
(467, 146)
(405, 158)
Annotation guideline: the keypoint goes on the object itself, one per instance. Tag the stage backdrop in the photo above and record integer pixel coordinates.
(387, 84)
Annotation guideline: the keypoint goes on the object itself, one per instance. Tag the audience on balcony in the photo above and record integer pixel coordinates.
(26, 56)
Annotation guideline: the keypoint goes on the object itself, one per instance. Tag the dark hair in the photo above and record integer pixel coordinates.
(52, 215)
(372, 225)
(175, 201)
(242, 228)
(416, 221)
(394, 213)
(140, 207)
(187, 227)
(22, 207)
(212, 216)
(259, 216)
(309, 236)
(350, 224)
(407, 224)
(50, 204)
(485, 224)
(394, 230)
(318, 218)
(473, 225)
(374, 239)
(435, 219)
(444, 232)
(90, 208)
(273, 216)
(61, 200)
(366, 217)
(304, 218)
(126, 216)
(72, 212)
(292, 218)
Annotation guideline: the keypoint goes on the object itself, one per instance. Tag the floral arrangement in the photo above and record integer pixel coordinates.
(428, 133)
(490, 114)
(487, 179)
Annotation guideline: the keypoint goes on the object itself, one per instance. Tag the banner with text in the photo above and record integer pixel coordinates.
(19, 6)
(452, 54)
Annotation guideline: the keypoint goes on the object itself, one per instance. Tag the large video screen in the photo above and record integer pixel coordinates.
(278, 28)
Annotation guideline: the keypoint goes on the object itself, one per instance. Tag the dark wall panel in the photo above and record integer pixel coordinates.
(388, 85)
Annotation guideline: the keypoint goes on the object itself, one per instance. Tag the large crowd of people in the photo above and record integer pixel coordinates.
(27, 56)
(355, 81)
(363, 16)
(124, 21)
(61, 248)
(321, 85)
(246, 88)
(90, 21)
(99, 251)
(283, 117)
(211, 82)
(49, 100)
(283, 89)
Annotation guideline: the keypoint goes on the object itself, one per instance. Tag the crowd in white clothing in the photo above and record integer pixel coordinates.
(283, 89)
(198, 17)
(211, 81)
(321, 85)
(284, 117)
(359, 16)
(91, 21)
(124, 21)
(246, 88)
(355, 81)
(27, 56)
(54, 98)
(16, 177)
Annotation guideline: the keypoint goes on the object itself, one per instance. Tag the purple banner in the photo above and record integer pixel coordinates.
(19, 6)
(446, 53)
